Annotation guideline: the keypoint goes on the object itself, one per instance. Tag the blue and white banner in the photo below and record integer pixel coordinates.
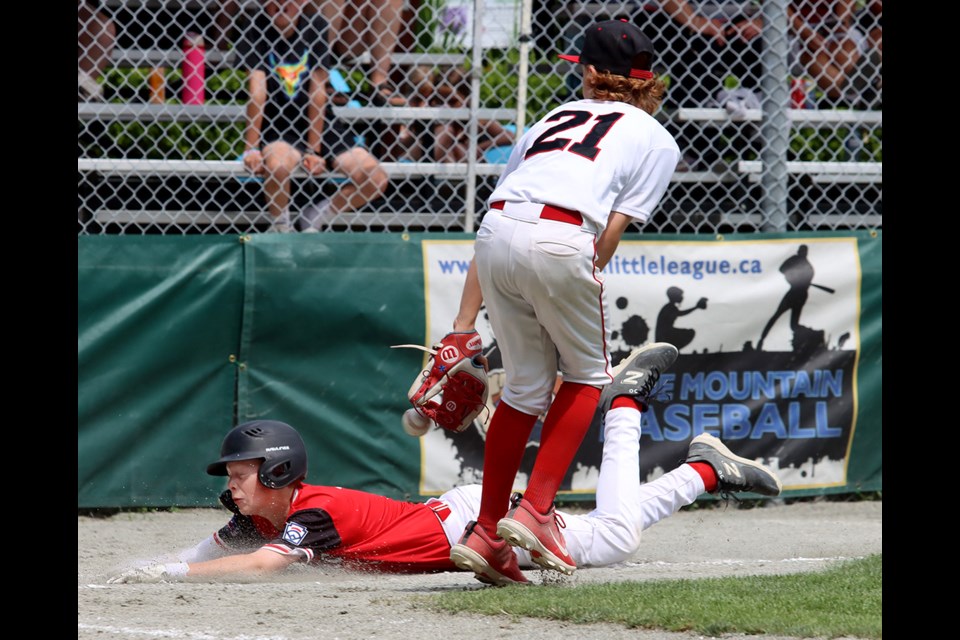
(769, 344)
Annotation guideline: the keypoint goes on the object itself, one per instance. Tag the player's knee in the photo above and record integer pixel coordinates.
(533, 403)
(620, 543)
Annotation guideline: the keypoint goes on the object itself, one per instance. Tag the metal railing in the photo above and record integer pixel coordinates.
(148, 163)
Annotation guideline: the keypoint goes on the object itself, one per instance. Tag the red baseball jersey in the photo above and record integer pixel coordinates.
(356, 528)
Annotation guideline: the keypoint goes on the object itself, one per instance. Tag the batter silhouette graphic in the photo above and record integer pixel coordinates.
(799, 274)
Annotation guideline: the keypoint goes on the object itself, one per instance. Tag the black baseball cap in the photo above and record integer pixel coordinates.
(616, 46)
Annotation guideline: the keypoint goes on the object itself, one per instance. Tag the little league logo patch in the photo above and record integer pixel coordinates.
(294, 533)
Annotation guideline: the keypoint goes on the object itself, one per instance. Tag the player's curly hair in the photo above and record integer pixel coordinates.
(643, 94)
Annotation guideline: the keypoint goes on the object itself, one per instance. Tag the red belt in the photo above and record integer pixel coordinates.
(550, 212)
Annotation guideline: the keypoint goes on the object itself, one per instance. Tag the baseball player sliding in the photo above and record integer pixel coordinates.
(280, 520)
(572, 185)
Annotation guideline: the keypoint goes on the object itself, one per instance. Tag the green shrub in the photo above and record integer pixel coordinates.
(812, 144)
(500, 82)
(227, 86)
(168, 140)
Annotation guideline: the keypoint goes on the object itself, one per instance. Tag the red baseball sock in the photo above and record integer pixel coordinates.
(503, 451)
(567, 422)
(628, 402)
(707, 473)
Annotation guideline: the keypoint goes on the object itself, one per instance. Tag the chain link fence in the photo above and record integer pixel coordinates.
(778, 111)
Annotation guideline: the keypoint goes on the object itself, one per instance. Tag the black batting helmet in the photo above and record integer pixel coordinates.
(277, 444)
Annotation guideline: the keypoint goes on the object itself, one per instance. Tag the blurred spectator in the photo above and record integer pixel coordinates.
(446, 140)
(828, 44)
(286, 54)
(412, 142)
(224, 28)
(870, 20)
(361, 26)
(143, 24)
(451, 142)
(720, 39)
(96, 37)
(717, 63)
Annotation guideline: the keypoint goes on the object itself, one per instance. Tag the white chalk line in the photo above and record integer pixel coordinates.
(168, 633)
(730, 562)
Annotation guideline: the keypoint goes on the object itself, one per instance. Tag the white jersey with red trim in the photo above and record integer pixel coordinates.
(535, 251)
(592, 156)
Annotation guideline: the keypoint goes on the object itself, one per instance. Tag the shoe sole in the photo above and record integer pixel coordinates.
(625, 364)
(715, 443)
(520, 536)
(640, 351)
(469, 560)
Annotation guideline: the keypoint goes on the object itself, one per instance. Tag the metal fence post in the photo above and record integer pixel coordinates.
(775, 127)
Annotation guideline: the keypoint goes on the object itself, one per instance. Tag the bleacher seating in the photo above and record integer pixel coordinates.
(832, 187)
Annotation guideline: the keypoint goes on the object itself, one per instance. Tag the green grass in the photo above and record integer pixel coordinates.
(846, 600)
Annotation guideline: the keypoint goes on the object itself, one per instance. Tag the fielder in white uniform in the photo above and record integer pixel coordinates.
(572, 185)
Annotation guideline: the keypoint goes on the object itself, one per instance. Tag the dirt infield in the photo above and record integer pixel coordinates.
(328, 604)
